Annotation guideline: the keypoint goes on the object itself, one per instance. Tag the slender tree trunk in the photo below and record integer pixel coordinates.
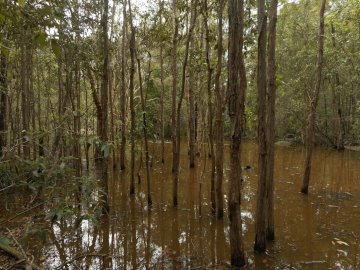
(235, 87)
(162, 97)
(77, 101)
(64, 97)
(132, 105)
(87, 144)
(174, 90)
(25, 101)
(192, 112)
(123, 93)
(3, 102)
(271, 88)
(182, 91)
(339, 129)
(314, 97)
(219, 123)
(104, 103)
(210, 110)
(32, 103)
(147, 159)
(40, 78)
(260, 222)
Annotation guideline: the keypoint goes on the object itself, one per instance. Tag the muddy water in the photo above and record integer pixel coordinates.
(318, 231)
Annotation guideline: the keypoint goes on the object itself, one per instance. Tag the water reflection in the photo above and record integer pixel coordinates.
(320, 231)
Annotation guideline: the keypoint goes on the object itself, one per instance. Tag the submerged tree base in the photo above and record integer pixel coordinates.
(305, 190)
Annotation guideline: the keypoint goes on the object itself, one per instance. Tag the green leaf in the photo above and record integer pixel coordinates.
(2, 17)
(35, 173)
(5, 241)
(21, 3)
(55, 47)
(5, 50)
(62, 165)
(40, 39)
(106, 150)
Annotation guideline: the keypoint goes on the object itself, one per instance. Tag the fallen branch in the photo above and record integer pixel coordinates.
(1, 190)
(13, 252)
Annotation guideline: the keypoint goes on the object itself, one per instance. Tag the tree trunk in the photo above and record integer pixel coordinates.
(271, 88)
(40, 77)
(25, 110)
(236, 88)
(104, 104)
(210, 110)
(314, 97)
(182, 91)
(219, 123)
(162, 97)
(123, 93)
(339, 130)
(192, 111)
(3, 102)
(132, 105)
(174, 90)
(147, 159)
(260, 222)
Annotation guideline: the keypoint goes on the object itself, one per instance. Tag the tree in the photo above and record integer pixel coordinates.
(174, 91)
(162, 95)
(179, 104)
(147, 159)
(313, 102)
(270, 126)
(219, 122)
(236, 88)
(3, 102)
(123, 91)
(338, 119)
(104, 102)
(210, 108)
(260, 222)
(192, 112)
(132, 105)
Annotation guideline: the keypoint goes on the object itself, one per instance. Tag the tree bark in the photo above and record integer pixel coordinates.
(271, 88)
(162, 97)
(182, 91)
(192, 111)
(147, 159)
(210, 110)
(173, 95)
(260, 222)
(104, 103)
(25, 110)
(3, 102)
(219, 122)
(339, 129)
(123, 93)
(313, 101)
(236, 87)
(132, 105)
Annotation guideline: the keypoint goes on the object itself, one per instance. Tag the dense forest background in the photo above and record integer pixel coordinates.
(47, 48)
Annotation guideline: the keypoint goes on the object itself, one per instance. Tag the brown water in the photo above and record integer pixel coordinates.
(318, 231)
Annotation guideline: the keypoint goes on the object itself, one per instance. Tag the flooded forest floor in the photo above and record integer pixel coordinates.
(317, 231)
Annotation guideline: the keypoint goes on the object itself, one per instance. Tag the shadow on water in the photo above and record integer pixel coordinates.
(318, 231)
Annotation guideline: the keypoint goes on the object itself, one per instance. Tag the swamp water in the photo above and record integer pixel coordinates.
(318, 231)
